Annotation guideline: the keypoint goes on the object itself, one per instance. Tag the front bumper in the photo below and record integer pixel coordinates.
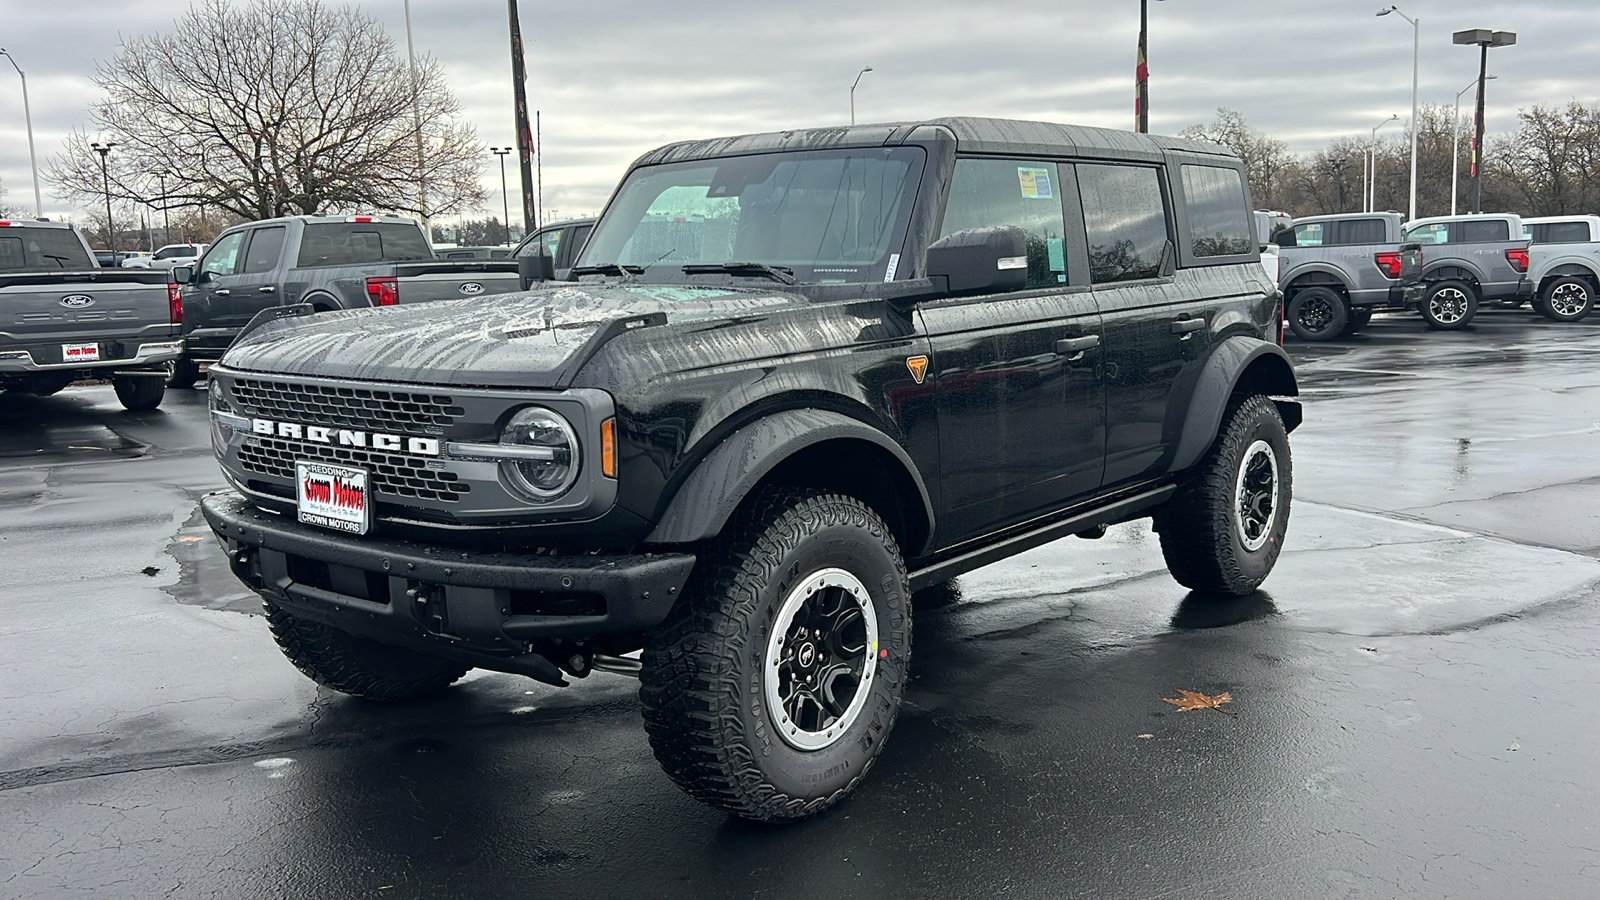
(481, 607)
(24, 360)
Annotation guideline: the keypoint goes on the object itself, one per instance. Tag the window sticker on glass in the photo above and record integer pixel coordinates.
(1035, 183)
(1056, 249)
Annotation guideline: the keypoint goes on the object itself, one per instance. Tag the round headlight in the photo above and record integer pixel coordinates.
(549, 466)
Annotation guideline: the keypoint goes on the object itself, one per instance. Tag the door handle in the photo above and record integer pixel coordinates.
(1184, 326)
(267, 288)
(221, 292)
(1078, 344)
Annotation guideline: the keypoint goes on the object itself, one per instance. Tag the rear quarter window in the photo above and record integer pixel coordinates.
(1219, 218)
(354, 243)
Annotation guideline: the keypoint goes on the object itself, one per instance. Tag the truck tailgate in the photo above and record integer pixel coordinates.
(422, 282)
(101, 305)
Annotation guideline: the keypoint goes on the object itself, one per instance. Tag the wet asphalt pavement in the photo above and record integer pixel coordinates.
(1413, 692)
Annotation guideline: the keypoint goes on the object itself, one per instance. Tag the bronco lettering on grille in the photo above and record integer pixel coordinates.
(344, 437)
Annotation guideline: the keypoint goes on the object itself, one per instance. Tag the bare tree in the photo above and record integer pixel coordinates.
(276, 107)
(1550, 163)
(1265, 158)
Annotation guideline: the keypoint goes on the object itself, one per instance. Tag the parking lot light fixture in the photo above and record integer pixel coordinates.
(27, 115)
(1369, 171)
(1485, 39)
(1455, 142)
(1416, 60)
(853, 93)
(105, 179)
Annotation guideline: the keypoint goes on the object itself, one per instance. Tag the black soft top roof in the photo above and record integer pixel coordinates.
(971, 134)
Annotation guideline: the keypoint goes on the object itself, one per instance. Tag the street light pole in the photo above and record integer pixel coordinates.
(166, 218)
(1370, 170)
(416, 124)
(1416, 60)
(27, 115)
(1485, 39)
(105, 178)
(505, 200)
(1455, 142)
(853, 93)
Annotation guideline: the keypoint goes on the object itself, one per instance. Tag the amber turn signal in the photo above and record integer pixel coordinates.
(608, 448)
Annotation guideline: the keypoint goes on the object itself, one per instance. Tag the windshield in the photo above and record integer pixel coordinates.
(24, 249)
(827, 216)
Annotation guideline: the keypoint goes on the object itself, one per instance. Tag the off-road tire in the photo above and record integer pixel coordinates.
(1201, 532)
(139, 392)
(1449, 304)
(703, 685)
(357, 666)
(1317, 314)
(183, 374)
(1566, 299)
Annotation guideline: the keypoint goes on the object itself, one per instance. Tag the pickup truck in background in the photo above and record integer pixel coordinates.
(562, 239)
(328, 262)
(1470, 259)
(1563, 265)
(1335, 270)
(65, 318)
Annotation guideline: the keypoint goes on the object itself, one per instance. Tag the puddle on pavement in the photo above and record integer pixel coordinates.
(71, 441)
(204, 578)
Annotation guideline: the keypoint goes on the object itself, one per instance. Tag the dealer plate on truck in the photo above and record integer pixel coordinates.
(330, 496)
(80, 353)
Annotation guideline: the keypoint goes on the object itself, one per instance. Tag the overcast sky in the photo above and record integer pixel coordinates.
(614, 79)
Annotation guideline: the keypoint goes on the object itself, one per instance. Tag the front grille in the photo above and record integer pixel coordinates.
(371, 410)
(392, 473)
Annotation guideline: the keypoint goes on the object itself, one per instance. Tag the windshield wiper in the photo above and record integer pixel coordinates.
(618, 269)
(776, 273)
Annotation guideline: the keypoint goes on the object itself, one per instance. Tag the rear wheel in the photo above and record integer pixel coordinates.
(357, 666)
(1359, 317)
(774, 682)
(183, 373)
(1449, 304)
(139, 392)
(1222, 532)
(1567, 299)
(1317, 314)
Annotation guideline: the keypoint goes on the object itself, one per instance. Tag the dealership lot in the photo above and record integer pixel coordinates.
(1409, 710)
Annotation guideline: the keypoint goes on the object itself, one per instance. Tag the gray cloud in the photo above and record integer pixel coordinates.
(614, 79)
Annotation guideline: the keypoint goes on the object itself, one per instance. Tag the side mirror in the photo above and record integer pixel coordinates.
(1284, 238)
(536, 266)
(988, 260)
(183, 274)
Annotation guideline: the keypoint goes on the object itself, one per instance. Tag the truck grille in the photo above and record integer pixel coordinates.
(369, 410)
(392, 473)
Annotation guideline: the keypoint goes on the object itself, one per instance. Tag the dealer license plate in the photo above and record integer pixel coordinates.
(80, 353)
(336, 497)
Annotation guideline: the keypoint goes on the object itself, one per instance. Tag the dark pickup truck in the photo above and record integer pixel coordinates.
(65, 318)
(799, 377)
(328, 262)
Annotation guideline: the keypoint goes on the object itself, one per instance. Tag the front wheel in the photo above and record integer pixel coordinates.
(1317, 314)
(774, 682)
(1566, 299)
(139, 392)
(1222, 532)
(357, 666)
(1449, 304)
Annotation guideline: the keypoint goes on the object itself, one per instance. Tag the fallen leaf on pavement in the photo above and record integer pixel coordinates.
(1193, 700)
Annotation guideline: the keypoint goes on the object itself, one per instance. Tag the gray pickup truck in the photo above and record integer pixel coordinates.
(328, 262)
(1470, 259)
(65, 318)
(1335, 270)
(1564, 265)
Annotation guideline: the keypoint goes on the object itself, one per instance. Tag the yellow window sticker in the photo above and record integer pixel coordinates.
(1035, 183)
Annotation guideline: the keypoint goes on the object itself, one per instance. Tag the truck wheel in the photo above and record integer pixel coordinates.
(1449, 304)
(139, 392)
(357, 666)
(183, 374)
(1317, 314)
(1222, 532)
(1567, 299)
(774, 682)
(1359, 317)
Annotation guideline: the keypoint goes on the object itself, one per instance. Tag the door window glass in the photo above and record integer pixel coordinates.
(990, 192)
(1492, 230)
(1362, 231)
(1308, 234)
(266, 247)
(1219, 223)
(1437, 233)
(223, 256)
(1126, 219)
(1558, 232)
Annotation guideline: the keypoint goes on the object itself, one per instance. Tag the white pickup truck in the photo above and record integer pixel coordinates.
(1564, 265)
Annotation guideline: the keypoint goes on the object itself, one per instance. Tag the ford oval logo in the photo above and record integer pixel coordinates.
(77, 301)
(472, 287)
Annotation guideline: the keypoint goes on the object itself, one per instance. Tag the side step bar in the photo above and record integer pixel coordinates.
(1120, 511)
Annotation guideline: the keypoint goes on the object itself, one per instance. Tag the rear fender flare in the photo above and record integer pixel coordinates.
(1256, 365)
(736, 466)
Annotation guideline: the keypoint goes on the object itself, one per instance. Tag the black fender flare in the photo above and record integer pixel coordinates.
(1237, 359)
(733, 468)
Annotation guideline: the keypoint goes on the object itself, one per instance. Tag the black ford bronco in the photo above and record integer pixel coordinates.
(793, 378)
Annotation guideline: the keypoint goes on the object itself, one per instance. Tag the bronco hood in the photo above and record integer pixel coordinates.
(535, 339)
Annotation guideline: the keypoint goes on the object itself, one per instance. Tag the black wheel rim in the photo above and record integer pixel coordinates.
(821, 659)
(1316, 314)
(1255, 508)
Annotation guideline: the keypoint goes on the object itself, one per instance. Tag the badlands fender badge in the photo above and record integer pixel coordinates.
(918, 366)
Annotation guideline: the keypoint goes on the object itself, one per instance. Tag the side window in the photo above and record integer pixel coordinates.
(1562, 233)
(1126, 219)
(1362, 231)
(1437, 233)
(989, 192)
(576, 240)
(1219, 223)
(266, 248)
(1472, 232)
(223, 255)
(1308, 234)
(552, 240)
